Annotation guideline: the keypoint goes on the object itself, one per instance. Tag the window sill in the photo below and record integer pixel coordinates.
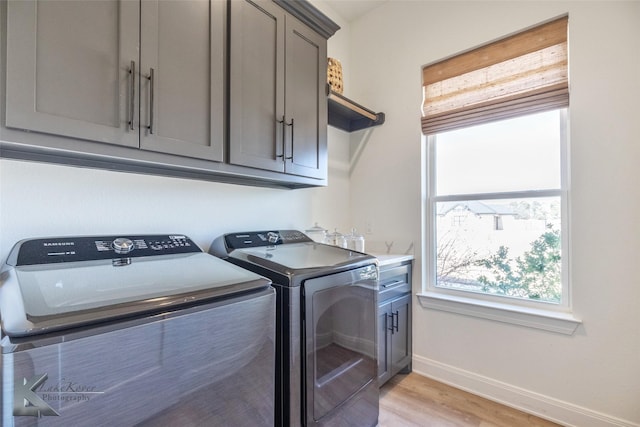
(563, 323)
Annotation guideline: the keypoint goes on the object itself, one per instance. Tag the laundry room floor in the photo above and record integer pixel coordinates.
(413, 400)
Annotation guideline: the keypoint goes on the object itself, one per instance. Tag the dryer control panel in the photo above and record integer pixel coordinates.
(89, 248)
(254, 239)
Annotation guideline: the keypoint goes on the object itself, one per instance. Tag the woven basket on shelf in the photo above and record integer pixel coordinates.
(334, 75)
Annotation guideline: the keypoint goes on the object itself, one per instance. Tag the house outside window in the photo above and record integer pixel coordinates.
(502, 161)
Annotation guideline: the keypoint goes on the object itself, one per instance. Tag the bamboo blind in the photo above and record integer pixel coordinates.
(520, 74)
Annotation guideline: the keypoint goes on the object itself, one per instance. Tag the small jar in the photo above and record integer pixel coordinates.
(336, 239)
(317, 233)
(355, 241)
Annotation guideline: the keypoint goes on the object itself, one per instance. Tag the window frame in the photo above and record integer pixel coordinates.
(555, 317)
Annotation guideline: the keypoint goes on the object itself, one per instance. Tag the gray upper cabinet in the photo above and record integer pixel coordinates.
(230, 91)
(182, 77)
(256, 85)
(305, 101)
(68, 68)
(278, 105)
(82, 69)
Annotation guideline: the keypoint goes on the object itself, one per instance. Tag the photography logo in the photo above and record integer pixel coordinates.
(26, 402)
(33, 397)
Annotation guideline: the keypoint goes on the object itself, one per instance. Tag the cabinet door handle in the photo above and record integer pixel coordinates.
(395, 320)
(386, 318)
(282, 123)
(290, 124)
(132, 93)
(151, 81)
(395, 282)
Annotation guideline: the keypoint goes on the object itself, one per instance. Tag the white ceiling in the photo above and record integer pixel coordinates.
(350, 10)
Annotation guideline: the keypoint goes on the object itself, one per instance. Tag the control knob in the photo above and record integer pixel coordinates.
(122, 245)
(273, 237)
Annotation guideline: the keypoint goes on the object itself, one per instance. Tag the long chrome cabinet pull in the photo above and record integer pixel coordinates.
(290, 124)
(132, 100)
(151, 80)
(395, 282)
(282, 123)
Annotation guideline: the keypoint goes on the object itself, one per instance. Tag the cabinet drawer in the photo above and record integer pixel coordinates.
(394, 281)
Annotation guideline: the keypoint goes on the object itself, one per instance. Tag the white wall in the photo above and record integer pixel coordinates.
(592, 377)
(38, 199)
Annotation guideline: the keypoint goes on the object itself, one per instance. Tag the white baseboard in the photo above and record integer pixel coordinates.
(546, 407)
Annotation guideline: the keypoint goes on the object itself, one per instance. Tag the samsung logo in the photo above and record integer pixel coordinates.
(59, 243)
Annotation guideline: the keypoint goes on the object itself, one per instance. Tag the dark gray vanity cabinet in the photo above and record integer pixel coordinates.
(394, 321)
(277, 99)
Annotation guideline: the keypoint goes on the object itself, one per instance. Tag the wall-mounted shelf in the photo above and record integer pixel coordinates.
(349, 116)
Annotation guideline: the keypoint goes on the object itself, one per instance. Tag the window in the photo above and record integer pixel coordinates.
(506, 177)
(495, 119)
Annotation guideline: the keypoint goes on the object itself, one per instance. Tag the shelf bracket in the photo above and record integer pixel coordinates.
(350, 116)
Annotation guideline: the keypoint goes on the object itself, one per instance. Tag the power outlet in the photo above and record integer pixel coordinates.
(368, 227)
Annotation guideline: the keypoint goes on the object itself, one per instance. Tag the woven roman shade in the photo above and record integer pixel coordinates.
(521, 74)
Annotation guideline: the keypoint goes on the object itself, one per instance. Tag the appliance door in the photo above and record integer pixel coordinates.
(301, 257)
(42, 298)
(205, 365)
(340, 339)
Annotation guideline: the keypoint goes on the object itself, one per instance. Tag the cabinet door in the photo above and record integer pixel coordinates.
(401, 338)
(305, 101)
(68, 68)
(384, 343)
(182, 105)
(256, 98)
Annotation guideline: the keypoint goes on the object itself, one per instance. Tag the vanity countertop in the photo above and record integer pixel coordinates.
(387, 259)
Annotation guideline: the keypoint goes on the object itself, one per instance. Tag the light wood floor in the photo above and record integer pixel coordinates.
(413, 400)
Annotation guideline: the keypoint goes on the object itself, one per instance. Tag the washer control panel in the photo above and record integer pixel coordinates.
(88, 248)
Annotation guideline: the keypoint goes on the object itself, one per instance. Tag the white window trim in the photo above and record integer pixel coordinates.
(537, 318)
(534, 314)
